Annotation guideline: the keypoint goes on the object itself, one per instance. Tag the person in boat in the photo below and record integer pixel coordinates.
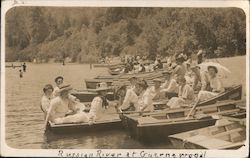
(185, 95)
(132, 81)
(145, 100)
(59, 82)
(214, 86)
(130, 101)
(180, 68)
(172, 88)
(200, 79)
(46, 98)
(158, 64)
(120, 94)
(155, 92)
(167, 77)
(142, 68)
(201, 54)
(99, 104)
(63, 110)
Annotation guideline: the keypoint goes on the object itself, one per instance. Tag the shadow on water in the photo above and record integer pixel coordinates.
(111, 139)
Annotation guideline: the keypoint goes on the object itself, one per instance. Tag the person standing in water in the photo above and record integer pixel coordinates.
(20, 73)
(24, 67)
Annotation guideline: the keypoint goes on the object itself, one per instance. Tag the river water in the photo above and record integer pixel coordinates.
(24, 119)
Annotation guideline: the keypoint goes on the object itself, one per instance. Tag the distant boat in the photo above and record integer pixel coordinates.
(227, 135)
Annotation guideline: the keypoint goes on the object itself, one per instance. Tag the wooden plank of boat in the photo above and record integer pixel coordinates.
(232, 93)
(88, 95)
(228, 135)
(110, 124)
(91, 83)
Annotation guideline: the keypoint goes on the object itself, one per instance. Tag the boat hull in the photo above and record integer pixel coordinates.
(161, 132)
(85, 127)
(86, 96)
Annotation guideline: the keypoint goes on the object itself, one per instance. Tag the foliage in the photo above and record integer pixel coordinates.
(86, 34)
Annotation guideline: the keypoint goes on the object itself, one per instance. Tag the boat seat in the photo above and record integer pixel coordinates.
(208, 142)
(149, 119)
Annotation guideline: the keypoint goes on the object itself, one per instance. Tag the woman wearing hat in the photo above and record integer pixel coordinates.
(214, 86)
(185, 95)
(131, 97)
(62, 105)
(59, 82)
(99, 103)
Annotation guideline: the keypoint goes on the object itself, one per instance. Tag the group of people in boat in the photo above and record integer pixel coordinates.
(180, 83)
(59, 106)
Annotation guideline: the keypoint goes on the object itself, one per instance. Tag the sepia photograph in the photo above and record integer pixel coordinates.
(121, 77)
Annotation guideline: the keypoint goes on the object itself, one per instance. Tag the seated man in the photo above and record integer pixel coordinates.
(215, 85)
(185, 96)
(60, 107)
(59, 82)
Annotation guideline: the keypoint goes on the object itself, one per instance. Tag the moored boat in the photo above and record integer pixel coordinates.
(226, 135)
(88, 95)
(109, 124)
(156, 126)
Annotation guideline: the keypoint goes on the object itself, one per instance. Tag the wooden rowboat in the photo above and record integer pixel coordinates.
(121, 78)
(231, 93)
(157, 126)
(113, 123)
(88, 95)
(227, 135)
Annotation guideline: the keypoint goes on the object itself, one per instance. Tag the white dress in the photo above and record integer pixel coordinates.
(185, 97)
(216, 86)
(59, 108)
(130, 97)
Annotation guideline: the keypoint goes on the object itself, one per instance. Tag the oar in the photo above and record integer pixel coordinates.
(194, 106)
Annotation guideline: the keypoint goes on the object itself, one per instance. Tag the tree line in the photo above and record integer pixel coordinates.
(87, 34)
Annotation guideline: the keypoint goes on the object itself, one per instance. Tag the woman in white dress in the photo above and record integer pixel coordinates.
(46, 98)
(63, 109)
(185, 95)
(215, 85)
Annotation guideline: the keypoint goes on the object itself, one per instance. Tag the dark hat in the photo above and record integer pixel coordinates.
(57, 78)
(47, 87)
(64, 88)
(213, 67)
(132, 77)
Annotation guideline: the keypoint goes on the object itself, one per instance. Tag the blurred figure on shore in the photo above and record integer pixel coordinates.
(20, 73)
(24, 67)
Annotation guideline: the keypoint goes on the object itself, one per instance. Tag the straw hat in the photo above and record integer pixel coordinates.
(64, 88)
(103, 86)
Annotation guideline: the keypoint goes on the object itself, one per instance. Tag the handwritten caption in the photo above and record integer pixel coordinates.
(131, 154)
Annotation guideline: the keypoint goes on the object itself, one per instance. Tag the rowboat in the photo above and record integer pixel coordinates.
(88, 95)
(107, 65)
(109, 120)
(12, 66)
(122, 78)
(230, 93)
(226, 135)
(97, 126)
(156, 126)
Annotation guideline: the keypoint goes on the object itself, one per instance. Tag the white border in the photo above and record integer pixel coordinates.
(8, 4)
